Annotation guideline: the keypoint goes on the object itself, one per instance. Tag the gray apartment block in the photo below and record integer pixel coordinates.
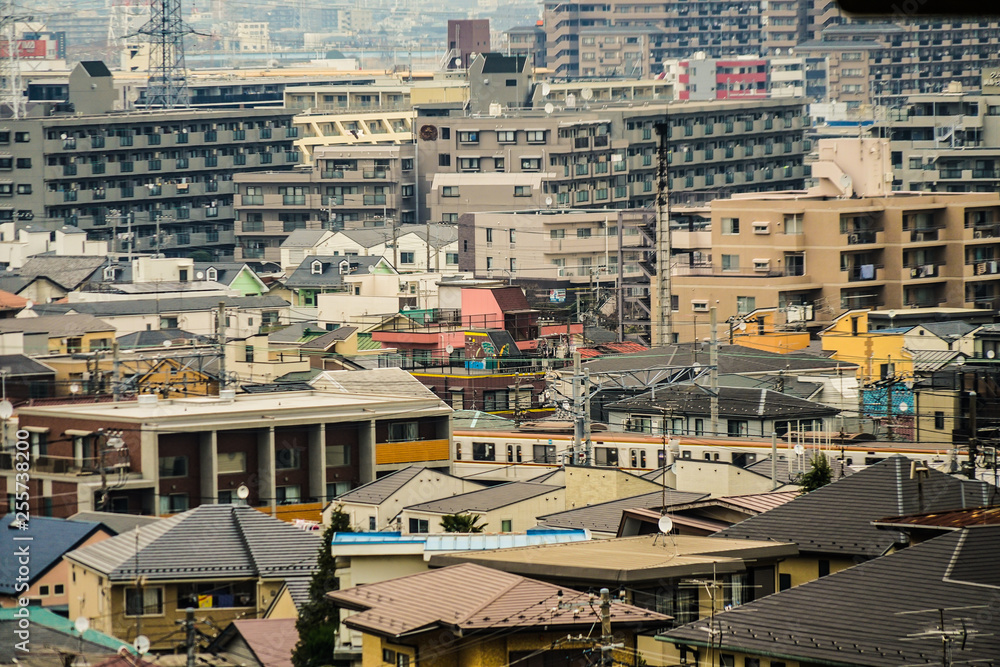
(103, 172)
(348, 187)
(605, 156)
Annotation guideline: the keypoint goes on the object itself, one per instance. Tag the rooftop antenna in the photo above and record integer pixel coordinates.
(167, 83)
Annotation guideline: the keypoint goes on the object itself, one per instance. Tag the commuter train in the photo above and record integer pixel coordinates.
(523, 454)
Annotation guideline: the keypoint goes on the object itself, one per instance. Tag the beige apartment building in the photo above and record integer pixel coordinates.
(814, 257)
(349, 186)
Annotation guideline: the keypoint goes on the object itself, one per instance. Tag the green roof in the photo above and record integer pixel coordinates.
(53, 621)
(365, 342)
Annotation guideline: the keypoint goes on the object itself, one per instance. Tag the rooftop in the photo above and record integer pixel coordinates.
(605, 517)
(49, 540)
(733, 402)
(485, 500)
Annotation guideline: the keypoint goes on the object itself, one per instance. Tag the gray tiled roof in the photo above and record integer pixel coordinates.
(369, 238)
(377, 491)
(837, 517)
(945, 329)
(733, 402)
(732, 359)
(329, 338)
(298, 588)
(146, 306)
(56, 325)
(50, 539)
(210, 541)
(876, 614)
(118, 523)
(304, 238)
(19, 364)
(157, 338)
(605, 517)
(68, 271)
(485, 500)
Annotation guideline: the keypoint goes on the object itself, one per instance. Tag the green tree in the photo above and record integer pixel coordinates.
(819, 474)
(462, 523)
(319, 618)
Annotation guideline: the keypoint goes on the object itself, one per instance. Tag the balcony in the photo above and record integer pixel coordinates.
(862, 237)
(864, 272)
(926, 235)
(924, 271)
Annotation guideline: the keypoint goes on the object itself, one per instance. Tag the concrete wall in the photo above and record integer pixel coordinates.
(588, 486)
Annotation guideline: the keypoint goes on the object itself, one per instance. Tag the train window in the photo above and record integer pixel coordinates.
(458, 451)
(872, 460)
(483, 451)
(519, 453)
(606, 456)
(715, 456)
(642, 458)
(661, 458)
(708, 456)
(544, 453)
(510, 453)
(634, 458)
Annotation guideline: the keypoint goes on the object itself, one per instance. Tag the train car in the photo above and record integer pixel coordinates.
(521, 455)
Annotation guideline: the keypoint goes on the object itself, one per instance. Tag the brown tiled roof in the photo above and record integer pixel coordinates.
(10, 301)
(272, 640)
(510, 298)
(470, 597)
(754, 502)
(953, 520)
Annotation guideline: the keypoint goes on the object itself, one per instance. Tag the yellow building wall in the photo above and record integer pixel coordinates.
(100, 339)
(587, 486)
(803, 569)
(282, 607)
(868, 350)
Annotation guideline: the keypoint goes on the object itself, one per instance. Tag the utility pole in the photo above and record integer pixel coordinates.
(606, 636)
(116, 367)
(189, 635)
(713, 371)
(973, 435)
(663, 321)
(220, 333)
(578, 416)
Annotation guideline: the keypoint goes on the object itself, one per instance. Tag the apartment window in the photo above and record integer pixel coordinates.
(292, 195)
(403, 431)
(406, 258)
(24, 189)
(173, 466)
(254, 196)
(145, 602)
(506, 136)
(419, 526)
(444, 160)
(506, 525)
(737, 427)
(469, 164)
(449, 191)
(173, 503)
(334, 489)
(451, 258)
(793, 224)
(512, 235)
(23, 163)
(939, 420)
(59, 589)
(468, 137)
(583, 232)
(499, 164)
(535, 136)
(231, 463)
(287, 458)
(531, 163)
(522, 190)
(22, 137)
(730, 262)
(557, 233)
(338, 455)
(730, 226)
(483, 451)
(371, 524)
(746, 304)
(287, 495)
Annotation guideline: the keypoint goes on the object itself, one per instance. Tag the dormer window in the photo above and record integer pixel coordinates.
(345, 267)
(316, 268)
(109, 273)
(212, 274)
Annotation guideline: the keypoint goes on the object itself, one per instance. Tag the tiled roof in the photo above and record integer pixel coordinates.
(21, 365)
(117, 523)
(837, 518)
(304, 238)
(50, 630)
(56, 325)
(67, 271)
(330, 276)
(471, 597)
(945, 329)
(272, 640)
(510, 298)
(605, 517)
(485, 500)
(948, 520)
(163, 306)
(326, 340)
(732, 359)
(232, 541)
(881, 613)
(50, 539)
(733, 402)
(298, 589)
(928, 361)
(756, 503)
(157, 338)
(9, 301)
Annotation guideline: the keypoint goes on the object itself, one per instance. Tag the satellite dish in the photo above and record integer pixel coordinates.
(81, 624)
(199, 275)
(665, 524)
(168, 343)
(546, 89)
(799, 450)
(587, 94)
(990, 354)
(6, 409)
(449, 348)
(29, 305)
(549, 108)
(74, 389)
(243, 492)
(116, 442)
(743, 326)
(457, 62)
(903, 407)
(141, 644)
(548, 201)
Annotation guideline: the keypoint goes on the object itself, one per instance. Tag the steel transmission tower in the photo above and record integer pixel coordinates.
(12, 94)
(167, 84)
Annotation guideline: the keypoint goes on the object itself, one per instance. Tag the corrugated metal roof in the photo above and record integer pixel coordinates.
(470, 597)
(954, 520)
(490, 541)
(231, 540)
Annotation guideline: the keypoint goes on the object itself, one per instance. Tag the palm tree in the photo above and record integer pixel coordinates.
(462, 523)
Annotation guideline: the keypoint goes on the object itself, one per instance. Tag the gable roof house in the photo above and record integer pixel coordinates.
(490, 618)
(61, 333)
(49, 539)
(901, 609)
(228, 559)
(833, 525)
(507, 507)
(320, 274)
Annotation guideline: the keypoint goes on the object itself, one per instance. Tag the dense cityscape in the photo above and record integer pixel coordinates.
(484, 334)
